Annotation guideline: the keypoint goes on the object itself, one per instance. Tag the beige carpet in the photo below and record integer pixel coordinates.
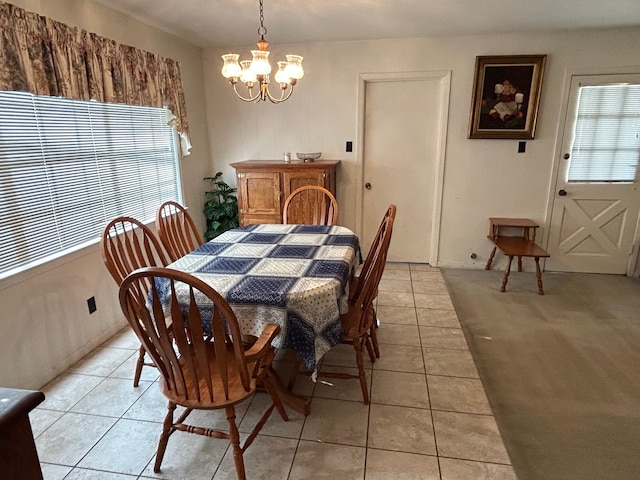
(561, 371)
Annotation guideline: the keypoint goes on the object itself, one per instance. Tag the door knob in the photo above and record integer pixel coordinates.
(367, 186)
(562, 193)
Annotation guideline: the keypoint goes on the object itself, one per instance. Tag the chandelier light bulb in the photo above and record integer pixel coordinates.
(294, 67)
(247, 75)
(281, 74)
(230, 69)
(260, 64)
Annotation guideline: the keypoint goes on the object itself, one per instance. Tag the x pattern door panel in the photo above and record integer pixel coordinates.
(595, 231)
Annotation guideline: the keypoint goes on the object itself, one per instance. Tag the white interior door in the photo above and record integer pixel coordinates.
(595, 215)
(403, 143)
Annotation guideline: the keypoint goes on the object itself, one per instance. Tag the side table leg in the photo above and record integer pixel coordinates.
(519, 264)
(539, 276)
(506, 275)
(493, 252)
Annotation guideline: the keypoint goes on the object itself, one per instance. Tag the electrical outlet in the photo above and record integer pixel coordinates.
(91, 303)
(521, 147)
(349, 147)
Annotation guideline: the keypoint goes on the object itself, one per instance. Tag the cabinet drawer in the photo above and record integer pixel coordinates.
(259, 219)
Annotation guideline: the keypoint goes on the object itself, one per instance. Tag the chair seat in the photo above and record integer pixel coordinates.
(354, 329)
(354, 286)
(217, 398)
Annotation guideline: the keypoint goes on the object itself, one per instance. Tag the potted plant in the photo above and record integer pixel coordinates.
(220, 207)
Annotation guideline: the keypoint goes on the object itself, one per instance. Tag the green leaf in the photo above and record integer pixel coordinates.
(220, 207)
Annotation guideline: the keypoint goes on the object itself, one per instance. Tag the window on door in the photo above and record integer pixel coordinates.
(68, 167)
(606, 146)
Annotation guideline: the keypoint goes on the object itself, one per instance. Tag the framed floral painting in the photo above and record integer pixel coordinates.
(506, 96)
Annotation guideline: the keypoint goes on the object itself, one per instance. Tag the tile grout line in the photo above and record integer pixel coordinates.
(424, 365)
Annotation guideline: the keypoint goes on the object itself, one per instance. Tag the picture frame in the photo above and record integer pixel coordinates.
(506, 96)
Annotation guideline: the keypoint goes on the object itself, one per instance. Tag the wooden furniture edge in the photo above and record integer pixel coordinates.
(293, 165)
(518, 247)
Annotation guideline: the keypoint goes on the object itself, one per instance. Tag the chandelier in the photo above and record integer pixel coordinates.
(256, 71)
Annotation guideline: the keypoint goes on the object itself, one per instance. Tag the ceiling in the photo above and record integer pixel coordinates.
(225, 23)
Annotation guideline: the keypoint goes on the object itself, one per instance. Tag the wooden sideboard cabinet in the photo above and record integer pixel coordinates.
(264, 185)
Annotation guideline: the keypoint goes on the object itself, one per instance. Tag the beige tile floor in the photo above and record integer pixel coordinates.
(428, 418)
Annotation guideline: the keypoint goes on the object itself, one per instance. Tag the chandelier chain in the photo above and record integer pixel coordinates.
(262, 30)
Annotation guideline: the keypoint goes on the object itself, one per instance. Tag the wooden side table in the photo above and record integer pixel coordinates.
(18, 454)
(520, 246)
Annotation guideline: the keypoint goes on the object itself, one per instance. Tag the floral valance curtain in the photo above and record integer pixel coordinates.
(46, 57)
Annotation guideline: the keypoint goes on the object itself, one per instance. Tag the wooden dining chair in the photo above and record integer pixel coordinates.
(198, 371)
(127, 244)
(356, 285)
(358, 322)
(177, 230)
(310, 205)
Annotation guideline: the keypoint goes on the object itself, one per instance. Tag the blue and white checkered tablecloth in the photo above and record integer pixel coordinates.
(295, 276)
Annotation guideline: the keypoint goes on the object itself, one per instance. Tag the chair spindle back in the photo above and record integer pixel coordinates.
(128, 244)
(310, 205)
(177, 230)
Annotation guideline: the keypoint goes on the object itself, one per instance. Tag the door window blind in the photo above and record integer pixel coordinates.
(606, 145)
(68, 167)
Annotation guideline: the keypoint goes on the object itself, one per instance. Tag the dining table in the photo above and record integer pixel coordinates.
(294, 276)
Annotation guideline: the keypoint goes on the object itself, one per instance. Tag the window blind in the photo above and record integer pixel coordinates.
(606, 145)
(68, 167)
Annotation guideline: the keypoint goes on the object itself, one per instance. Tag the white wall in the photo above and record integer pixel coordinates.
(483, 178)
(45, 325)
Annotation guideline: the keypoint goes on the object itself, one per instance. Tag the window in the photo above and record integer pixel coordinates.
(68, 167)
(606, 145)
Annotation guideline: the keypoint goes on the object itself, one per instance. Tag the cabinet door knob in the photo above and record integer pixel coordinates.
(367, 186)
(562, 193)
